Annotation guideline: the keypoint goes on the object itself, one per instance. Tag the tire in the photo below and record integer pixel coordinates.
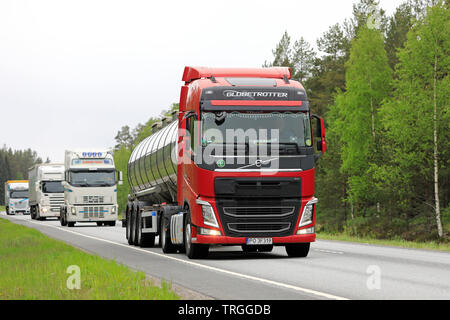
(38, 215)
(137, 227)
(299, 250)
(62, 219)
(130, 227)
(166, 244)
(193, 250)
(32, 213)
(127, 223)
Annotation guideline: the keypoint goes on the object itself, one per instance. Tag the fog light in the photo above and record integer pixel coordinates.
(44, 210)
(73, 210)
(113, 210)
(209, 232)
(306, 231)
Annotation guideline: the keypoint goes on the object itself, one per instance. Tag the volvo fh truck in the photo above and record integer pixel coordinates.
(16, 197)
(90, 188)
(46, 190)
(236, 167)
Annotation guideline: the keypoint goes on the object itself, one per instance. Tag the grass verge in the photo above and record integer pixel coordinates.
(34, 266)
(2, 208)
(396, 242)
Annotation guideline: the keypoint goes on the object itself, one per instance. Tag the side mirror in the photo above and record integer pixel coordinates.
(64, 184)
(320, 134)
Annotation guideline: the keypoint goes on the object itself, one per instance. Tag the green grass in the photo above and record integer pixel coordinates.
(2, 208)
(395, 243)
(34, 266)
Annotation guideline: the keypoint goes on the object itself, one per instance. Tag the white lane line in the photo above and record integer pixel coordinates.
(236, 274)
(328, 251)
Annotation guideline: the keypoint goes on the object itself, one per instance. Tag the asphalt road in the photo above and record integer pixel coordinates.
(332, 270)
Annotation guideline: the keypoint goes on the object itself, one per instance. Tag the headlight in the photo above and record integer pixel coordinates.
(44, 210)
(308, 213)
(73, 210)
(209, 218)
(113, 210)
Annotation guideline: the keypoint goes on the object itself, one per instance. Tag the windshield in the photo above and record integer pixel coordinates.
(261, 128)
(20, 194)
(100, 178)
(52, 187)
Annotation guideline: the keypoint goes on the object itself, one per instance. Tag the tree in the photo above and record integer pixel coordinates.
(302, 60)
(368, 80)
(416, 118)
(124, 138)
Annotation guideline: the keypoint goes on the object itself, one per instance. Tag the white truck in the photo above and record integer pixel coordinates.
(16, 197)
(90, 188)
(45, 190)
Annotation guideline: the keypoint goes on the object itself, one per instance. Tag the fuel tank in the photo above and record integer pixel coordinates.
(152, 168)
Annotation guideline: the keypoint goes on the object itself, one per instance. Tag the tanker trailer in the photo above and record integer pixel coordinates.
(195, 187)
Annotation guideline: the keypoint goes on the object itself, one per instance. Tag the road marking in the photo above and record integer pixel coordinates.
(328, 251)
(236, 274)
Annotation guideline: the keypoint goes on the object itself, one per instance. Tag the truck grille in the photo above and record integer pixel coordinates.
(267, 227)
(56, 203)
(93, 212)
(246, 212)
(93, 199)
(267, 217)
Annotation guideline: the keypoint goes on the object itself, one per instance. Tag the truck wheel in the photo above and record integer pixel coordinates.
(32, 213)
(62, 219)
(127, 225)
(300, 250)
(132, 222)
(193, 250)
(166, 244)
(38, 215)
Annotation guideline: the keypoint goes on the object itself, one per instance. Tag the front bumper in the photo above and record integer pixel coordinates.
(92, 213)
(47, 211)
(224, 240)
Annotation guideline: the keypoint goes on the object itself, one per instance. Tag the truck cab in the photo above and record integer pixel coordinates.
(16, 197)
(90, 188)
(46, 190)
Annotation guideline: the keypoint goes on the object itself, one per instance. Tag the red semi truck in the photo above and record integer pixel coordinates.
(235, 167)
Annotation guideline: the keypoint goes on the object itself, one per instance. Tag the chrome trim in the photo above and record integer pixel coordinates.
(259, 231)
(292, 209)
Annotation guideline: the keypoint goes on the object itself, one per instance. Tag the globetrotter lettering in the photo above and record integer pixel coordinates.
(256, 94)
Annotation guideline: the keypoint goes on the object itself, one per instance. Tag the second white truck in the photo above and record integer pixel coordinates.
(46, 193)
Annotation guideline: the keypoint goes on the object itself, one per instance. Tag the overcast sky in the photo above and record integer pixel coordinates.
(72, 73)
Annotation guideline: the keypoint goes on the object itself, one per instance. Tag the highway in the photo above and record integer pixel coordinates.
(333, 269)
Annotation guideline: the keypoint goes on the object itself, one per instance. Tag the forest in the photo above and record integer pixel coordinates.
(14, 165)
(381, 83)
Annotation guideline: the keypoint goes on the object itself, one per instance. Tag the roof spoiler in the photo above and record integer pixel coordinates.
(193, 73)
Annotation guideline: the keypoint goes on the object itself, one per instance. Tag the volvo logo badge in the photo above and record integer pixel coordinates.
(258, 163)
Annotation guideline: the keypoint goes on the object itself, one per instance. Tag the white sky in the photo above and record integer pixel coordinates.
(72, 73)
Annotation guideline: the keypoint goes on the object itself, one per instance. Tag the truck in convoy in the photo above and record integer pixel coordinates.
(90, 188)
(16, 197)
(235, 168)
(45, 190)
